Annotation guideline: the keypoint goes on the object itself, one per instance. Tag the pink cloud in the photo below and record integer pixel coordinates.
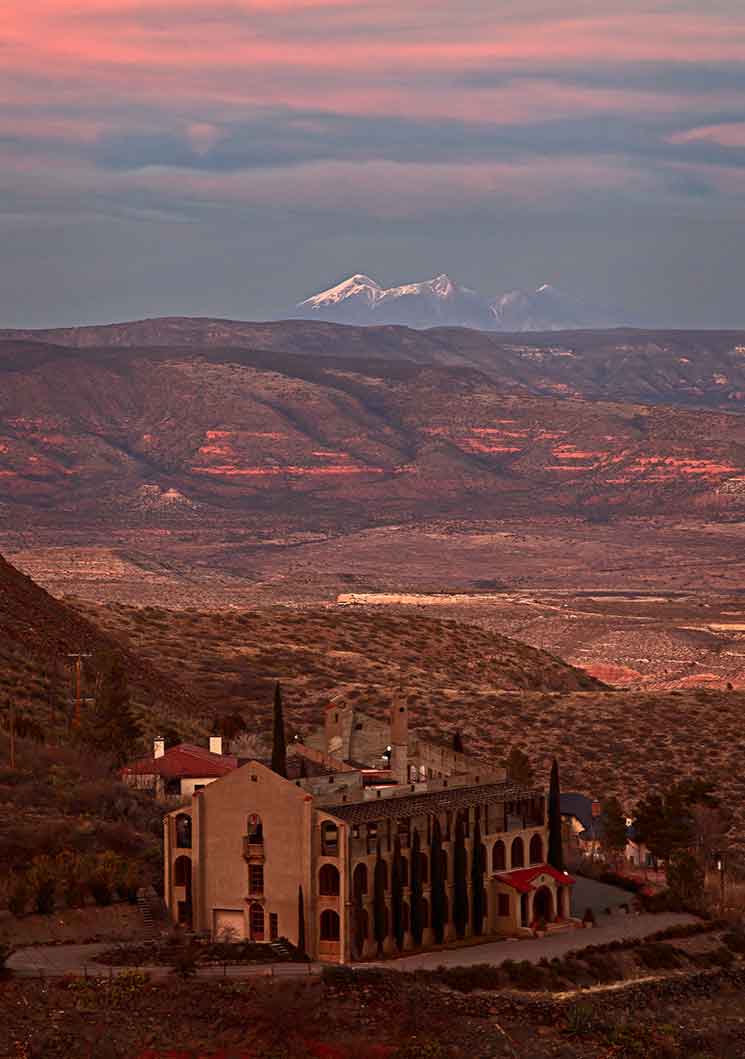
(728, 135)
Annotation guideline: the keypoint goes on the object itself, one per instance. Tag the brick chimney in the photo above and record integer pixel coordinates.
(159, 746)
(597, 809)
(400, 741)
(215, 744)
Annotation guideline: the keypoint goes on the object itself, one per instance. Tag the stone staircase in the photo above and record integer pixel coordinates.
(280, 950)
(152, 910)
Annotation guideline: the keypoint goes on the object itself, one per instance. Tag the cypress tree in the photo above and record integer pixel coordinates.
(460, 879)
(477, 882)
(379, 910)
(110, 725)
(437, 883)
(417, 919)
(555, 850)
(458, 742)
(300, 921)
(397, 895)
(279, 743)
(358, 935)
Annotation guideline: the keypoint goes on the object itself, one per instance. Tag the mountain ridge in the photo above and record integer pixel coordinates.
(361, 300)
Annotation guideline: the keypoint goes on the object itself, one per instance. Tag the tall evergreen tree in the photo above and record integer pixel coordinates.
(477, 882)
(460, 878)
(437, 877)
(397, 895)
(555, 849)
(379, 909)
(458, 742)
(279, 742)
(416, 882)
(300, 921)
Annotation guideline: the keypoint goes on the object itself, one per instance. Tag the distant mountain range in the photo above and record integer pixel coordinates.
(440, 302)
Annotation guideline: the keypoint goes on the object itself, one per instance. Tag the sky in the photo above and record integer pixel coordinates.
(229, 158)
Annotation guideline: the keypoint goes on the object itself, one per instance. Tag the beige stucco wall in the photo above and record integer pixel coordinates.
(220, 870)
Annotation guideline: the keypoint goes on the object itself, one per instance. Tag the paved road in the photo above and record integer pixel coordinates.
(616, 927)
(56, 960)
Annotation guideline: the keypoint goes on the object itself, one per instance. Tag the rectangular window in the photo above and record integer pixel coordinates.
(273, 926)
(256, 878)
(504, 904)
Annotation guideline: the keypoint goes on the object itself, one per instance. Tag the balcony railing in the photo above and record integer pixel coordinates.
(253, 849)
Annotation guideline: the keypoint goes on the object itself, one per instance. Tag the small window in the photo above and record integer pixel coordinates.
(329, 839)
(256, 879)
(358, 726)
(273, 926)
(503, 904)
(199, 786)
(254, 830)
(183, 831)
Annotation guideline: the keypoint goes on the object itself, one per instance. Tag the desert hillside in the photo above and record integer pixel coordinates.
(698, 368)
(181, 437)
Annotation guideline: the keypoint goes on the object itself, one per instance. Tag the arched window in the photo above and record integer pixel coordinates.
(182, 871)
(256, 919)
(424, 867)
(444, 865)
(254, 830)
(498, 858)
(405, 918)
(359, 879)
(328, 881)
(183, 831)
(425, 912)
(413, 773)
(383, 872)
(404, 871)
(536, 849)
(329, 925)
(329, 839)
(517, 854)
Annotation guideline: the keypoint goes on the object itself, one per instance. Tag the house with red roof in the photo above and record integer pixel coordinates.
(180, 770)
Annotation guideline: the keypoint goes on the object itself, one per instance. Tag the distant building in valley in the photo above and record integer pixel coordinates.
(258, 856)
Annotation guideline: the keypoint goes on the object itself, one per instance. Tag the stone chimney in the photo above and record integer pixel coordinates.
(159, 746)
(400, 741)
(215, 744)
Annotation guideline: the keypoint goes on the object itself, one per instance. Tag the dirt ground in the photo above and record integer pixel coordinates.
(118, 922)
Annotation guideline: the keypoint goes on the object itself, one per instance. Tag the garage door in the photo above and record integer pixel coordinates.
(228, 924)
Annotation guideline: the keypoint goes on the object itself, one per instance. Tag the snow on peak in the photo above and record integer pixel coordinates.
(359, 286)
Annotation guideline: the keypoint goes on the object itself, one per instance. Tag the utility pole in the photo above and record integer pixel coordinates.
(12, 731)
(78, 656)
(720, 869)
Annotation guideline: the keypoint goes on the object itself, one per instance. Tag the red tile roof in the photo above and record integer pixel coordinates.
(184, 761)
(522, 878)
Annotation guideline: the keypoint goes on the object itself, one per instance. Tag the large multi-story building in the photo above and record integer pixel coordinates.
(339, 858)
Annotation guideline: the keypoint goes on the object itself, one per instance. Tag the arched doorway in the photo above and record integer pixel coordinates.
(543, 904)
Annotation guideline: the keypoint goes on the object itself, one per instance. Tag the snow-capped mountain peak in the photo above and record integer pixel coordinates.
(358, 286)
(442, 302)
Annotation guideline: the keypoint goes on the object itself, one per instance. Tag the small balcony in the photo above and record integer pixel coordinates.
(253, 849)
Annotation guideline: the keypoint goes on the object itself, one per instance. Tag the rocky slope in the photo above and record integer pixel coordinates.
(181, 436)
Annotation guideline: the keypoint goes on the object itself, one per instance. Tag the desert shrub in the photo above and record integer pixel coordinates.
(658, 956)
(184, 961)
(735, 940)
(19, 894)
(42, 879)
(525, 975)
(604, 968)
(479, 976)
